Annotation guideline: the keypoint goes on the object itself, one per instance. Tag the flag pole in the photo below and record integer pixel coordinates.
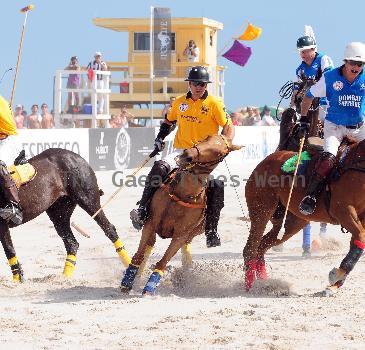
(229, 41)
(151, 64)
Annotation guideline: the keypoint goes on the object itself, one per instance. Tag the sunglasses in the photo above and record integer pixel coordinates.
(355, 63)
(198, 83)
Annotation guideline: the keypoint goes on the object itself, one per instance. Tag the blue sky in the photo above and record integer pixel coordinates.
(57, 30)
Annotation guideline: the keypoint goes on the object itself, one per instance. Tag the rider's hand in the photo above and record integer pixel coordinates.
(303, 126)
(159, 144)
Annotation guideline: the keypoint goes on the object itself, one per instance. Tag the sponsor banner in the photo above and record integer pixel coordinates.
(162, 42)
(112, 149)
(259, 142)
(36, 141)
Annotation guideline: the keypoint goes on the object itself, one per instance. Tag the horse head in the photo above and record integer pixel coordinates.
(207, 153)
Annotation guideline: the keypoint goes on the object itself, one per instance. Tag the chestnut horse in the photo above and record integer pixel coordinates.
(267, 192)
(63, 180)
(178, 207)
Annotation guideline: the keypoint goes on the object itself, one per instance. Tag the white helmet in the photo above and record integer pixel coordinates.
(355, 51)
(97, 53)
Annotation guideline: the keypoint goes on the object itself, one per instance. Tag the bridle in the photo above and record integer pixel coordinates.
(210, 163)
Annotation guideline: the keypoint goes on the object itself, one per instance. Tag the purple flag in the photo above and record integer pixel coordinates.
(238, 53)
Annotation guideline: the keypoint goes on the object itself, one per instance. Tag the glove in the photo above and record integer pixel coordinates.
(159, 144)
(303, 126)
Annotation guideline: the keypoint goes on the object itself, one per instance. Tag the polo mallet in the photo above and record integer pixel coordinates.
(80, 229)
(24, 10)
(282, 230)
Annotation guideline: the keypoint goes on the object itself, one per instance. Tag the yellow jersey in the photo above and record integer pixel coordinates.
(7, 123)
(196, 120)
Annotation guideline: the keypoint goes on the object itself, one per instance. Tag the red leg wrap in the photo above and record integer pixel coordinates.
(250, 273)
(261, 270)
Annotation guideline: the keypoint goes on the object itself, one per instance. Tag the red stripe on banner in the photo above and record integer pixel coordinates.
(359, 244)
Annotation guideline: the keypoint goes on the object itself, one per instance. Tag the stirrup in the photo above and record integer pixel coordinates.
(139, 217)
(12, 213)
(308, 205)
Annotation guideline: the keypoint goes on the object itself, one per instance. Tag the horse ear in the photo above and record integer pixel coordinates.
(235, 147)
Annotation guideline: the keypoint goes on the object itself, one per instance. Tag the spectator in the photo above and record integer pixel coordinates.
(98, 65)
(250, 119)
(114, 122)
(267, 119)
(167, 108)
(73, 82)
(19, 117)
(235, 117)
(34, 119)
(257, 117)
(126, 118)
(47, 118)
(192, 52)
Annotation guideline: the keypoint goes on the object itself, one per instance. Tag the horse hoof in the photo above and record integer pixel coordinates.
(336, 277)
(125, 289)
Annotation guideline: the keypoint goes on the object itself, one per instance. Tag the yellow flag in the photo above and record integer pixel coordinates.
(251, 33)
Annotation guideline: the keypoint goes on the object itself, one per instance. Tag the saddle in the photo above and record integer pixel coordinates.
(21, 171)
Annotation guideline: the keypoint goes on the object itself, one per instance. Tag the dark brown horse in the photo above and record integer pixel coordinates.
(267, 193)
(178, 207)
(63, 180)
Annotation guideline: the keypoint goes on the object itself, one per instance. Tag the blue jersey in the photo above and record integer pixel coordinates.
(314, 71)
(346, 101)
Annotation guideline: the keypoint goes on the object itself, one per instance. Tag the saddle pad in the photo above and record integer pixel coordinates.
(22, 174)
(289, 166)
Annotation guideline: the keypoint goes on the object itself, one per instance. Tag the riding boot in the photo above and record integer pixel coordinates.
(215, 203)
(11, 212)
(317, 182)
(155, 178)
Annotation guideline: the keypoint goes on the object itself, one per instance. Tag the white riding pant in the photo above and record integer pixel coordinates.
(9, 149)
(333, 135)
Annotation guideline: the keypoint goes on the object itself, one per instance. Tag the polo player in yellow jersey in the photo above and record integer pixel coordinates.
(8, 152)
(197, 115)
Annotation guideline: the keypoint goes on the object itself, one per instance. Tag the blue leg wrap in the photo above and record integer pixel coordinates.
(307, 237)
(152, 283)
(129, 276)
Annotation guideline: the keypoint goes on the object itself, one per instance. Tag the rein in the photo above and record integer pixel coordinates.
(166, 188)
(210, 163)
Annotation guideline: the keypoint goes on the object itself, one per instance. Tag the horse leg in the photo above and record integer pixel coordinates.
(16, 269)
(60, 214)
(148, 251)
(292, 225)
(186, 257)
(154, 280)
(90, 202)
(353, 224)
(148, 236)
(261, 208)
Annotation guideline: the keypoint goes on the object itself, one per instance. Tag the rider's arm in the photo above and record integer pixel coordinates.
(317, 90)
(223, 120)
(228, 131)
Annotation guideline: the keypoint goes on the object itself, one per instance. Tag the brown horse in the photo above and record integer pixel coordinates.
(178, 207)
(267, 192)
(63, 180)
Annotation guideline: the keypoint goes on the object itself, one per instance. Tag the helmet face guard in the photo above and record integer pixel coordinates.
(306, 42)
(198, 74)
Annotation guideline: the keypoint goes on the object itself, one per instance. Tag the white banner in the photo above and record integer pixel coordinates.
(35, 141)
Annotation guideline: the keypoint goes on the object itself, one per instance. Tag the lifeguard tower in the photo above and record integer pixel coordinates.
(130, 82)
(133, 82)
